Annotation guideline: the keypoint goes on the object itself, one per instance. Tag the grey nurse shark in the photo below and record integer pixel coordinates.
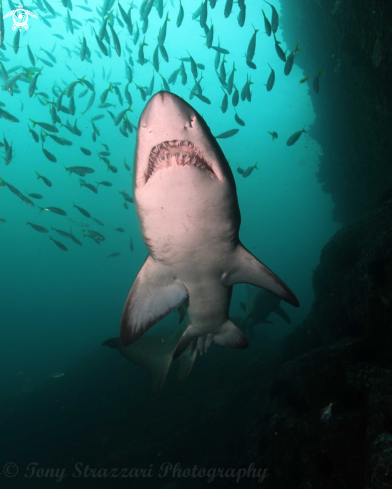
(186, 203)
(259, 306)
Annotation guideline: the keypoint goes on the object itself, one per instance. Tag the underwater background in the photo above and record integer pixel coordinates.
(317, 212)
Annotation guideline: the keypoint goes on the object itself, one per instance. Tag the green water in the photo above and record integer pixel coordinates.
(57, 307)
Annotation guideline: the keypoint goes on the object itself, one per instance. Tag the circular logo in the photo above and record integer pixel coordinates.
(10, 469)
(20, 17)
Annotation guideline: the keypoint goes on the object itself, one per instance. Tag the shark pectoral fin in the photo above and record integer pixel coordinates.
(283, 314)
(152, 296)
(243, 306)
(187, 360)
(246, 268)
(230, 336)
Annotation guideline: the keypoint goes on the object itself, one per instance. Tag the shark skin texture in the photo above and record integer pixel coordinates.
(186, 202)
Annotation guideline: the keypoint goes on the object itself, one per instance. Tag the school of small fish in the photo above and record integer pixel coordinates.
(118, 28)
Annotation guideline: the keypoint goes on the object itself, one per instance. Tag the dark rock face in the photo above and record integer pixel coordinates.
(354, 105)
(340, 355)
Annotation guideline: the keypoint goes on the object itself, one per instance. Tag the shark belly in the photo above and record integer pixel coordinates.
(186, 216)
(190, 226)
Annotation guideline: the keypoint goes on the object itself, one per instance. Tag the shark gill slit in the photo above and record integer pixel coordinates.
(179, 152)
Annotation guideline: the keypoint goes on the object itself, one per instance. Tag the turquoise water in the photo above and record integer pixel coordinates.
(58, 307)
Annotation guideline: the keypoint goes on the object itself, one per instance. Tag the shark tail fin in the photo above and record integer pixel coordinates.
(283, 314)
(156, 360)
(159, 369)
(112, 343)
(150, 353)
(155, 354)
(246, 268)
(153, 295)
(187, 360)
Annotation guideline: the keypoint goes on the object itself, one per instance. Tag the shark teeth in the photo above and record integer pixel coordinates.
(176, 152)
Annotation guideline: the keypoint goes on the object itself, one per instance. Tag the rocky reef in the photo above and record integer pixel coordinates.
(350, 40)
(325, 419)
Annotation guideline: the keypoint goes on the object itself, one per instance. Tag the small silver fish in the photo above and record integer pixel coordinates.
(326, 413)
(80, 224)
(57, 375)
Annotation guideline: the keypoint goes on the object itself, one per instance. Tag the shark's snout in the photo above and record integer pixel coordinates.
(166, 110)
(172, 133)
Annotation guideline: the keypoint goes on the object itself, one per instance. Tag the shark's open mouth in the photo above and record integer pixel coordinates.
(170, 153)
